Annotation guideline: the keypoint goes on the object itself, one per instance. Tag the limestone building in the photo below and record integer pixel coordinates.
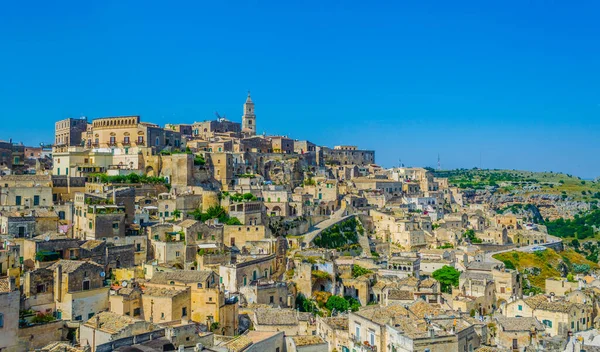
(68, 132)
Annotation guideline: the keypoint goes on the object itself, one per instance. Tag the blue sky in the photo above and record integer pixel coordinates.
(499, 85)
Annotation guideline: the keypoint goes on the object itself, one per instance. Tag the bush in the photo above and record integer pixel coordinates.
(358, 270)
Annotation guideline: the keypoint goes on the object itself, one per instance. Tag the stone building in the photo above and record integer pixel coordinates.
(272, 293)
(129, 131)
(79, 289)
(68, 132)
(242, 273)
(345, 155)
(18, 192)
(518, 334)
(334, 330)
(208, 129)
(559, 316)
(163, 305)
(9, 315)
(110, 326)
(208, 303)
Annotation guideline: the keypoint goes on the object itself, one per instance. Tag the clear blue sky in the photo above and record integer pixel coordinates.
(504, 85)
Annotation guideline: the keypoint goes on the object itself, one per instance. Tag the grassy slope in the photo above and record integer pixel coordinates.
(572, 185)
(547, 261)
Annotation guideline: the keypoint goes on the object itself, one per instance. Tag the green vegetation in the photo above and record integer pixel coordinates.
(445, 246)
(199, 160)
(41, 318)
(131, 178)
(542, 265)
(238, 197)
(320, 275)
(509, 180)
(304, 304)
(470, 235)
(215, 212)
(580, 227)
(309, 182)
(342, 304)
(448, 277)
(339, 235)
(358, 270)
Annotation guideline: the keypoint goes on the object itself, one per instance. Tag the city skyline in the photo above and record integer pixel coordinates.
(480, 85)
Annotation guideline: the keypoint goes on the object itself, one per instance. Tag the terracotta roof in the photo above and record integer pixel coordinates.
(276, 316)
(163, 292)
(110, 322)
(308, 340)
(91, 244)
(404, 295)
(69, 266)
(382, 315)
(337, 323)
(239, 344)
(187, 223)
(519, 324)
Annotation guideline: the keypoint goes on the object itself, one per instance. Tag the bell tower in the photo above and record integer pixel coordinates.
(249, 119)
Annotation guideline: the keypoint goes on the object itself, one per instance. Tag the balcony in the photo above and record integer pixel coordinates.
(362, 345)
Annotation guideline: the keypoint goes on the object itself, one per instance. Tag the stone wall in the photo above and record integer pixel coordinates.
(37, 336)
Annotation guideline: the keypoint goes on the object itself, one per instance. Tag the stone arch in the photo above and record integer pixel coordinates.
(150, 171)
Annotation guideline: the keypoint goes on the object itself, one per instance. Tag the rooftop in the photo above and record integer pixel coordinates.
(184, 276)
(308, 340)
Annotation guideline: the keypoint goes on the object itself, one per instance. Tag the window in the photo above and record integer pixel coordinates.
(36, 200)
(162, 315)
(548, 323)
(271, 300)
(41, 288)
(86, 285)
(520, 307)
(245, 280)
(90, 315)
(199, 236)
(78, 317)
(184, 311)
(177, 253)
(90, 225)
(18, 200)
(112, 139)
(126, 139)
(210, 299)
(1, 320)
(115, 225)
(357, 331)
(136, 312)
(156, 237)
(138, 247)
(140, 139)
(199, 285)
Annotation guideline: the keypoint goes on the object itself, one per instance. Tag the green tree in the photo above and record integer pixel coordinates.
(338, 303)
(233, 221)
(447, 277)
(176, 213)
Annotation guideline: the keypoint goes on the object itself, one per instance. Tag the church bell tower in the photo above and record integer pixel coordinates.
(249, 119)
